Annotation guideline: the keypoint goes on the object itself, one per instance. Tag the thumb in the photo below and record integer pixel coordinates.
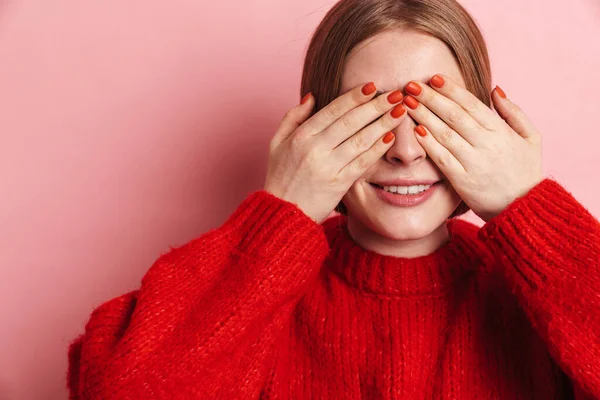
(512, 114)
(293, 119)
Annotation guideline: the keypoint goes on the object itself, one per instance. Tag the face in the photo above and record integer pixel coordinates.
(391, 60)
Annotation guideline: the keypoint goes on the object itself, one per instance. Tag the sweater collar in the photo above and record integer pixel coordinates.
(376, 273)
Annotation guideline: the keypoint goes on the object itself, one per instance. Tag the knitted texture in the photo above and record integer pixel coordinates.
(272, 305)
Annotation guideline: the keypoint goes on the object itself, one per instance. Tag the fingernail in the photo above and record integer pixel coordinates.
(369, 89)
(388, 137)
(500, 92)
(305, 98)
(437, 81)
(421, 130)
(398, 111)
(411, 102)
(413, 89)
(395, 97)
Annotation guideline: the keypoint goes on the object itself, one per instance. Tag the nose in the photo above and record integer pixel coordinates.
(406, 149)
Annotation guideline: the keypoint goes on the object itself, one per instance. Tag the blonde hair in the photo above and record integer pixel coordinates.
(350, 22)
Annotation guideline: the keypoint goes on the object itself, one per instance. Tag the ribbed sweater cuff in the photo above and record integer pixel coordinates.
(541, 234)
(266, 226)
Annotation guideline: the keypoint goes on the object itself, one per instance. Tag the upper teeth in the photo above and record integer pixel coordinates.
(406, 189)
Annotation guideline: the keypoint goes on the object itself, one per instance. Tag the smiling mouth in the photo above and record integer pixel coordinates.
(381, 187)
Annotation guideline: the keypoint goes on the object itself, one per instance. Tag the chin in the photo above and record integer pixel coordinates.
(403, 225)
(409, 228)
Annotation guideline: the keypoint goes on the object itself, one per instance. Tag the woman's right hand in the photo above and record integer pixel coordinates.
(314, 162)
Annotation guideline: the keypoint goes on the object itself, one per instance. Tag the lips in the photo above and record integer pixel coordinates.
(404, 200)
(405, 182)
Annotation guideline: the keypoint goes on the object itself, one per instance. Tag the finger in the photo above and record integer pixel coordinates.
(338, 107)
(444, 135)
(441, 156)
(465, 99)
(365, 160)
(360, 117)
(293, 119)
(362, 141)
(450, 112)
(512, 114)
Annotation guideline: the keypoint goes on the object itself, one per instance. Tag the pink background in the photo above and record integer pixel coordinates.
(131, 126)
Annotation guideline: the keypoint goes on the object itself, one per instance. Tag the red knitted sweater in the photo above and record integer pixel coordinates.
(272, 305)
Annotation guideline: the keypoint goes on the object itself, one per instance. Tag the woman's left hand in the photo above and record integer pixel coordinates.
(490, 159)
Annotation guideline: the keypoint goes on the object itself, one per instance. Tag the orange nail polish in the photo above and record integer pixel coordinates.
(500, 92)
(413, 89)
(305, 98)
(398, 111)
(421, 130)
(437, 81)
(369, 89)
(395, 97)
(411, 102)
(388, 137)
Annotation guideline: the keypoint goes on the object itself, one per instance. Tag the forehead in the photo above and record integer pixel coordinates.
(393, 58)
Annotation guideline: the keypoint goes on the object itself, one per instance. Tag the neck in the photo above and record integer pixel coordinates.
(377, 273)
(406, 247)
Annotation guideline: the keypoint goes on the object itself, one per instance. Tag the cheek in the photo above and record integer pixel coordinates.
(451, 191)
(450, 196)
(357, 193)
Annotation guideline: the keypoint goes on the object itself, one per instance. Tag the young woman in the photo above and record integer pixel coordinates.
(393, 298)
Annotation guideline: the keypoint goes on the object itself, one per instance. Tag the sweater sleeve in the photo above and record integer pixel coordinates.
(548, 248)
(205, 319)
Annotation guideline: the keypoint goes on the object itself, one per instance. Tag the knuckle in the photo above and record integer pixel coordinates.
(446, 135)
(518, 112)
(429, 96)
(289, 115)
(310, 158)
(362, 163)
(333, 111)
(297, 140)
(455, 116)
(444, 159)
(381, 106)
(359, 143)
(300, 132)
(336, 181)
(472, 105)
(349, 121)
(450, 89)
